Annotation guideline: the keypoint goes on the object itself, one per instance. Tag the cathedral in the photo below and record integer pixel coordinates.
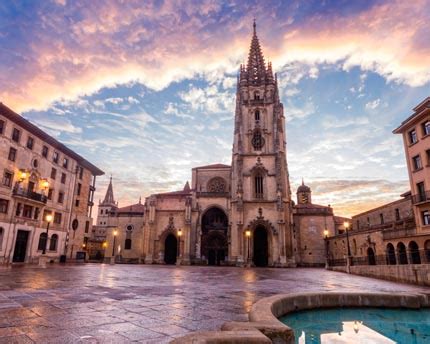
(241, 214)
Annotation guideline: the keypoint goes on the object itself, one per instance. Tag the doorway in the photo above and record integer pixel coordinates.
(170, 249)
(20, 247)
(261, 247)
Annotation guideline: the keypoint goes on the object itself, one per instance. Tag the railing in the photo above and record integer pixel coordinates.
(30, 195)
(420, 198)
(398, 233)
(394, 258)
(256, 101)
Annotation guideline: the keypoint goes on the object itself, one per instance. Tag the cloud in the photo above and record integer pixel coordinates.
(373, 104)
(77, 50)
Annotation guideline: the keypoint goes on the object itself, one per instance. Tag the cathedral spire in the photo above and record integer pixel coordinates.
(255, 67)
(109, 199)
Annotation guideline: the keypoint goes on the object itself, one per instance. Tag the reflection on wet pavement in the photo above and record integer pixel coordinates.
(148, 304)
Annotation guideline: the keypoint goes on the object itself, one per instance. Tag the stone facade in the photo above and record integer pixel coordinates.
(241, 214)
(41, 176)
(397, 233)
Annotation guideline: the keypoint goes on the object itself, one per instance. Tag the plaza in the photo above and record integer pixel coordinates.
(95, 303)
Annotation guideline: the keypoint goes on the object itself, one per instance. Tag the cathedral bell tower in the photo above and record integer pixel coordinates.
(261, 196)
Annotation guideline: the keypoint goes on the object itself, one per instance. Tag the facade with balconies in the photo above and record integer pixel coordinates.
(41, 177)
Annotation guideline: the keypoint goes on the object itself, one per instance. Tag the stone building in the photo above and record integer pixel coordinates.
(241, 214)
(40, 177)
(397, 233)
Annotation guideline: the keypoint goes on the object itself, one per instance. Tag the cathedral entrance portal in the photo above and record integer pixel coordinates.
(170, 249)
(214, 236)
(261, 247)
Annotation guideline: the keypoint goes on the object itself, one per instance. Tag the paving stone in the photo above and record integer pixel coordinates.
(147, 303)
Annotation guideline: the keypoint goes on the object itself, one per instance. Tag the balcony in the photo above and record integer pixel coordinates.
(421, 198)
(400, 229)
(31, 195)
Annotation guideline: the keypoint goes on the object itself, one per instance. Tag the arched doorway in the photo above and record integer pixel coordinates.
(427, 250)
(170, 249)
(214, 236)
(391, 255)
(415, 253)
(261, 247)
(401, 251)
(371, 256)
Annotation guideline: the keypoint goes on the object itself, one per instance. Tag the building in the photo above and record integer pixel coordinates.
(397, 233)
(238, 214)
(40, 177)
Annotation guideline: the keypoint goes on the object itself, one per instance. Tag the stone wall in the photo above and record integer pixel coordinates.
(416, 274)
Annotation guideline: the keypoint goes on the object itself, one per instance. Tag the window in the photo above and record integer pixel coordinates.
(60, 197)
(16, 134)
(55, 157)
(12, 154)
(426, 217)
(416, 162)
(53, 173)
(421, 192)
(87, 226)
(127, 245)
(65, 162)
(77, 203)
(78, 190)
(57, 218)
(129, 227)
(1, 237)
(30, 142)
(45, 151)
(53, 243)
(358, 224)
(81, 172)
(257, 115)
(258, 186)
(413, 136)
(428, 157)
(28, 211)
(257, 140)
(7, 178)
(256, 95)
(35, 163)
(50, 192)
(426, 128)
(2, 126)
(63, 178)
(397, 212)
(42, 241)
(381, 217)
(4, 205)
(36, 213)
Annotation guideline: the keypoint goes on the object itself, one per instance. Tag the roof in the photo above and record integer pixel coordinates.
(109, 199)
(30, 127)
(212, 166)
(134, 208)
(419, 109)
(303, 188)
(184, 192)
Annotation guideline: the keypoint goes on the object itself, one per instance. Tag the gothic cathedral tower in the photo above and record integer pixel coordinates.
(261, 226)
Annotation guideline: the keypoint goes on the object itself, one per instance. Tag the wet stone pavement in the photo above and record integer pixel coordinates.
(147, 304)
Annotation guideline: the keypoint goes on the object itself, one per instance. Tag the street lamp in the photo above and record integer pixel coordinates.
(179, 242)
(346, 225)
(248, 236)
(48, 219)
(115, 232)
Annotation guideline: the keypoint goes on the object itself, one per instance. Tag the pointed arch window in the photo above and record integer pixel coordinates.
(257, 115)
(257, 140)
(259, 186)
(256, 95)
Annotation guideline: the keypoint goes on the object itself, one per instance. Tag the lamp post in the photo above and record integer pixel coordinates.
(178, 262)
(248, 236)
(326, 247)
(115, 232)
(48, 219)
(348, 258)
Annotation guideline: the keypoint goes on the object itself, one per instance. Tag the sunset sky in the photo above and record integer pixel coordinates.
(146, 89)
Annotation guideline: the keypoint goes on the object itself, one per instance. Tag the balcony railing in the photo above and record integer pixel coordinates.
(213, 194)
(34, 196)
(420, 198)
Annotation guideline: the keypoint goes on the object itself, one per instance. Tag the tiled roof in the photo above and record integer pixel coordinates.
(30, 127)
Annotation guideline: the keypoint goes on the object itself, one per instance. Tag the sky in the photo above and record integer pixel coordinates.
(145, 90)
